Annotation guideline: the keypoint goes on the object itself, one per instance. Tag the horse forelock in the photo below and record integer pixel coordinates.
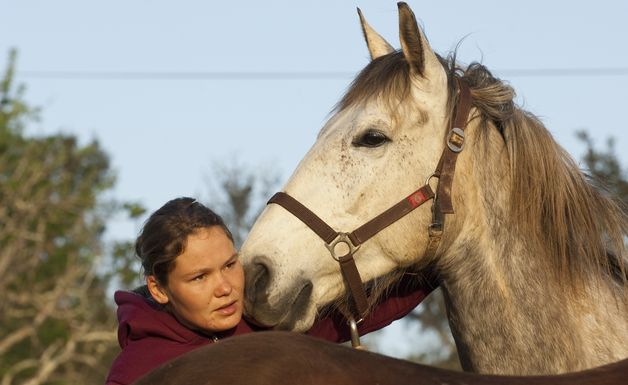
(386, 78)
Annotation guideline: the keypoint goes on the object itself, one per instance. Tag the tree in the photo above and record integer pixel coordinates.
(239, 194)
(604, 167)
(56, 324)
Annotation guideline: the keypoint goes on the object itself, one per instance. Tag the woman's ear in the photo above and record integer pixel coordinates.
(156, 290)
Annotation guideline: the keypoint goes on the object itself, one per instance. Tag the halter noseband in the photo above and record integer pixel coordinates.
(442, 205)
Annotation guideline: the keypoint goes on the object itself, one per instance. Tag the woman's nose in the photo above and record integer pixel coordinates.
(223, 287)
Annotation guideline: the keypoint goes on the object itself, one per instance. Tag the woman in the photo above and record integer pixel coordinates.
(194, 293)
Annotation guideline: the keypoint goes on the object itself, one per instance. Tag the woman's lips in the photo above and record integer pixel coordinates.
(228, 309)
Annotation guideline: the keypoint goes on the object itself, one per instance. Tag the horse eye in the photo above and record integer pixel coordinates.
(371, 138)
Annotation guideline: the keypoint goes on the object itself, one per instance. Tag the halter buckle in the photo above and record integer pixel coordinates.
(341, 238)
(435, 229)
(455, 139)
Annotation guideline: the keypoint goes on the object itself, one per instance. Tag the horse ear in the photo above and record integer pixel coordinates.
(416, 49)
(377, 45)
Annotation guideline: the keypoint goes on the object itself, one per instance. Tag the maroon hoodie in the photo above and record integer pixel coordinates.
(149, 336)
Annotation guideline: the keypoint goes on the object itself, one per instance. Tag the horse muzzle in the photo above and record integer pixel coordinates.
(272, 304)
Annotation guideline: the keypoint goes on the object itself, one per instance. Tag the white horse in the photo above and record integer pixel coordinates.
(532, 263)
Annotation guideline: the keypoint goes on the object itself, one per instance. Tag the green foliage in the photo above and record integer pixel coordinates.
(134, 209)
(14, 113)
(123, 266)
(57, 325)
(605, 167)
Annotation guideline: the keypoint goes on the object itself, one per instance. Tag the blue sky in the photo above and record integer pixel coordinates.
(164, 133)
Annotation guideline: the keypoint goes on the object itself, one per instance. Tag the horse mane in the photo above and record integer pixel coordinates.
(578, 228)
(575, 225)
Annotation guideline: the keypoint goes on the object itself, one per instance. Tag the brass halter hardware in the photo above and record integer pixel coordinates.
(442, 205)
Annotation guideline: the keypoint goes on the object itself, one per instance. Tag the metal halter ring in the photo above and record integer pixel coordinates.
(355, 335)
(429, 178)
(341, 238)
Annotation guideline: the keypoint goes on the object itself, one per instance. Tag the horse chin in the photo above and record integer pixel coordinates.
(292, 322)
(298, 322)
(296, 312)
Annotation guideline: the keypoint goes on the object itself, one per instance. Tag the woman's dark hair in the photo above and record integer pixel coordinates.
(165, 232)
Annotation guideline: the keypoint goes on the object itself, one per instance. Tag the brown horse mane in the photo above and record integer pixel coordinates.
(575, 226)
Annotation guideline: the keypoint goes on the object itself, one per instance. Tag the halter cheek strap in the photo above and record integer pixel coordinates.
(446, 167)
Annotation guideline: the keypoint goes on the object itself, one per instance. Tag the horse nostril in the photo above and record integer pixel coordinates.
(302, 300)
(260, 277)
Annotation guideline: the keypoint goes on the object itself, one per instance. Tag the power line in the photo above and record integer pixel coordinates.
(557, 72)
(180, 75)
(287, 75)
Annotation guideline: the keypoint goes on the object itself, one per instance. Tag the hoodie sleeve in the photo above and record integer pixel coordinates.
(335, 328)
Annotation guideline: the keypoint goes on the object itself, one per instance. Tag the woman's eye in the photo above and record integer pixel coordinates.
(198, 277)
(230, 265)
(371, 138)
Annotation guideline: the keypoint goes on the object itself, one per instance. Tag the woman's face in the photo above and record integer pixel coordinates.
(206, 288)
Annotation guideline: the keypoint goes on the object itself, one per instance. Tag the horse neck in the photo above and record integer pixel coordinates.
(508, 313)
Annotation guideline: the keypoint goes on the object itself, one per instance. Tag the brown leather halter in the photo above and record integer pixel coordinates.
(442, 205)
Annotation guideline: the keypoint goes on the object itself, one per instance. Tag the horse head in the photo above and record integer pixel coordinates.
(383, 141)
